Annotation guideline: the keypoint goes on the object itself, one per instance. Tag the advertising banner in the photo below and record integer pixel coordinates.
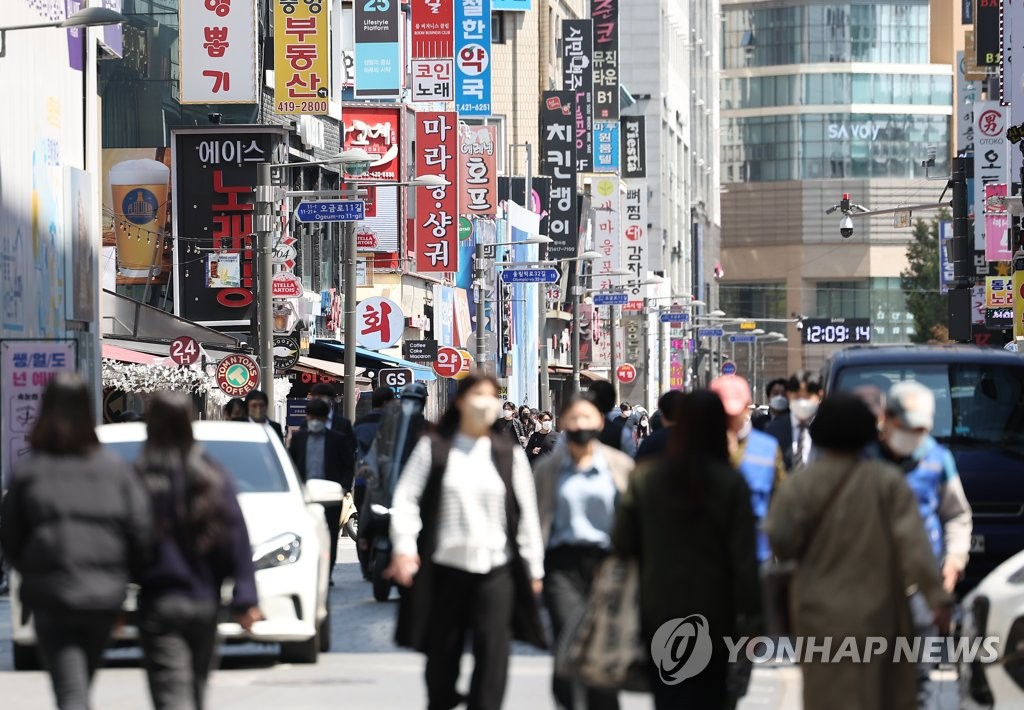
(478, 170)
(473, 57)
(433, 28)
(1011, 87)
(635, 243)
(80, 256)
(558, 161)
(301, 58)
(578, 77)
(604, 196)
(946, 279)
(214, 178)
(997, 225)
(436, 231)
(991, 159)
(606, 146)
(605, 14)
(986, 32)
(378, 131)
(432, 79)
(217, 52)
(634, 147)
(378, 59)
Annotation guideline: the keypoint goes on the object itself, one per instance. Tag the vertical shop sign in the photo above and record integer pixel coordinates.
(473, 57)
(378, 61)
(578, 77)
(634, 147)
(433, 31)
(301, 54)
(217, 52)
(558, 159)
(635, 238)
(605, 14)
(478, 170)
(604, 197)
(436, 229)
(991, 159)
(606, 146)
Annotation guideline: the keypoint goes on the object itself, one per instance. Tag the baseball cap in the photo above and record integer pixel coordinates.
(734, 392)
(912, 403)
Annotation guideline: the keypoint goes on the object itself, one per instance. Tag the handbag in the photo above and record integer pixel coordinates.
(602, 646)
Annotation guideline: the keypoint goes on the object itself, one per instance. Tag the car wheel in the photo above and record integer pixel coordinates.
(301, 651)
(325, 633)
(351, 527)
(25, 657)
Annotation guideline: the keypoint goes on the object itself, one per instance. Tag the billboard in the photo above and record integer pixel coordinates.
(558, 161)
(301, 58)
(578, 77)
(473, 57)
(436, 230)
(378, 61)
(605, 14)
(217, 52)
(377, 129)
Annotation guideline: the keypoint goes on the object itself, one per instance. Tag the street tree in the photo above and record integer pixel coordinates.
(920, 283)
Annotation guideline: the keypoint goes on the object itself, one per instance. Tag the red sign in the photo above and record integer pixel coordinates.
(625, 373)
(436, 229)
(184, 350)
(478, 170)
(285, 285)
(381, 323)
(366, 240)
(238, 375)
(433, 29)
(378, 132)
(450, 362)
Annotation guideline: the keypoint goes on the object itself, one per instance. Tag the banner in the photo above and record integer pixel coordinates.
(997, 225)
(301, 54)
(991, 161)
(986, 32)
(634, 147)
(433, 30)
(523, 224)
(1011, 87)
(377, 129)
(214, 177)
(473, 57)
(217, 52)
(377, 57)
(604, 196)
(946, 279)
(558, 161)
(967, 92)
(436, 231)
(606, 146)
(635, 242)
(605, 14)
(478, 170)
(431, 80)
(514, 188)
(578, 77)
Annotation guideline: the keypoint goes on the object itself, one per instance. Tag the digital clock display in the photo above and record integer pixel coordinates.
(836, 331)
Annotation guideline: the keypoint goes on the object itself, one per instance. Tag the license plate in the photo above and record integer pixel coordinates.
(977, 543)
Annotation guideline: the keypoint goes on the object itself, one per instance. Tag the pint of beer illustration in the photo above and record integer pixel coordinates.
(139, 198)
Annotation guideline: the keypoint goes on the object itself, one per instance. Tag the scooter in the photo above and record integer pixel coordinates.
(349, 517)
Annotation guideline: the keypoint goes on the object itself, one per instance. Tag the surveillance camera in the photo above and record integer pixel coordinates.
(800, 325)
(846, 227)
(215, 118)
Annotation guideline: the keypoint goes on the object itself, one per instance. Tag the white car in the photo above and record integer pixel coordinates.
(290, 543)
(994, 610)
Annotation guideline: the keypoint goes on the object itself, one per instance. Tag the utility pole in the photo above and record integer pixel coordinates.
(613, 364)
(479, 274)
(265, 228)
(349, 275)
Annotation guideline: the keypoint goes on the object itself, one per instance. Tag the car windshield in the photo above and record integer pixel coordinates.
(254, 466)
(975, 403)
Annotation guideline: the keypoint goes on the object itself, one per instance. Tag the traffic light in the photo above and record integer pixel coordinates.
(960, 245)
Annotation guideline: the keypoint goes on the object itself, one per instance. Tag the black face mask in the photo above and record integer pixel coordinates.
(582, 436)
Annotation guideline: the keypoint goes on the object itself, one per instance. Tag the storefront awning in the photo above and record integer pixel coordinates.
(369, 359)
(564, 371)
(131, 320)
(109, 351)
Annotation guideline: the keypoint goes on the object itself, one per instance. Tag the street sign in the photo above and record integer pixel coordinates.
(380, 323)
(286, 353)
(394, 376)
(710, 333)
(449, 362)
(331, 211)
(419, 350)
(742, 338)
(530, 276)
(184, 350)
(625, 373)
(728, 368)
(674, 317)
(238, 375)
(748, 325)
(611, 299)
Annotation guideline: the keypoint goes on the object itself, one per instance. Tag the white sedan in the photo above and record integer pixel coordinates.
(289, 538)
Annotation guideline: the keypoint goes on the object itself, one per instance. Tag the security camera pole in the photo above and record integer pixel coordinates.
(264, 224)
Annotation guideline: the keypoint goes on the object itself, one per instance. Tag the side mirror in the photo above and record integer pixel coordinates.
(322, 491)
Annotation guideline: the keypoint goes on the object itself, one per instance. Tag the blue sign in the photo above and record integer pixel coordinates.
(674, 317)
(728, 368)
(530, 276)
(710, 333)
(606, 146)
(512, 5)
(611, 299)
(331, 211)
(473, 57)
(946, 279)
(742, 338)
(378, 62)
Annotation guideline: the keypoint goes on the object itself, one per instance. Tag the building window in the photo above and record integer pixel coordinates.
(890, 320)
(755, 301)
(499, 32)
(842, 299)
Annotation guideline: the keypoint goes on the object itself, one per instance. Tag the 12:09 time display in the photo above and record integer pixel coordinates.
(836, 331)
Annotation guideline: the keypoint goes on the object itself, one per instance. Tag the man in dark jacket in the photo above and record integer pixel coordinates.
(654, 446)
(542, 442)
(258, 405)
(319, 452)
(804, 390)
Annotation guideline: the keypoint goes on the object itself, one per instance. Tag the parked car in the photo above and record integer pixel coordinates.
(290, 544)
(979, 415)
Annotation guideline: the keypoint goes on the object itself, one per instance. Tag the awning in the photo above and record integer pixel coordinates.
(132, 320)
(565, 371)
(109, 351)
(335, 369)
(369, 359)
(158, 351)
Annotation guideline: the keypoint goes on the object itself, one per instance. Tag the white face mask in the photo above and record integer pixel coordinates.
(779, 403)
(803, 409)
(483, 408)
(545, 426)
(316, 426)
(902, 442)
(510, 413)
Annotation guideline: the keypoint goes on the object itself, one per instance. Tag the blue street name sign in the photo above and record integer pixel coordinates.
(675, 317)
(611, 299)
(742, 338)
(530, 276)
(710, 333)
(331, 211)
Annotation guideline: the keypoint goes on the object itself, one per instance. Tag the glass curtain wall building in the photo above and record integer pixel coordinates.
(819, 99)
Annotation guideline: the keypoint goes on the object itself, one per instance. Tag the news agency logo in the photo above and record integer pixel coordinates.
(681, 648)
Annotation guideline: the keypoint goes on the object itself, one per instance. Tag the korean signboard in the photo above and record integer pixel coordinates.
(991, 162)
(999, 301)
(343, 70)
(946, 279)
(578, 77)
(473, 57)
(606, 146)
(378, 62)
(967, 92)
(605, 14)
(379, 323)
(986, 32)
(478, 170)
(997, 232)
(435, 236)
(217, 52)
(378, 131)
(214, 181)
(433, 28)
(604, 198)
(301, 80)
(26, 367)
(512, 5)
(634, 147)
(1011, 88)
(635, 246)
(431, 79)
(558, 158)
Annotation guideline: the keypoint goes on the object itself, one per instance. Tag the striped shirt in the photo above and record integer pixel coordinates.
(471, 533)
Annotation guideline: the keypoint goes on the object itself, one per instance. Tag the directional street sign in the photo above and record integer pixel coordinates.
(611, 299)
(530, 276)
(742, 338)
(330, 211)
(710, 333)
(674, 317)
(728, 368)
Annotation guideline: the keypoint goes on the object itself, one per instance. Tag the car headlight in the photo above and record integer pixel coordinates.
(277, 551)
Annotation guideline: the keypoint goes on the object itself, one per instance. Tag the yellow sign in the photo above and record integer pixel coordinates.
(748, 325)
(1018, 302)
(972, 72)
(301, 57)
(998, 292)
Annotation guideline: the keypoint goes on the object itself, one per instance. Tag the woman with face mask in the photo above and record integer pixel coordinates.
(511, 425)
(467, 541)
(543, 441)
(643, 428)
(578, 490)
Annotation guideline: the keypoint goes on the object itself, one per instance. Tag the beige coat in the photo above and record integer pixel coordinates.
(548, 468)
(853, 575)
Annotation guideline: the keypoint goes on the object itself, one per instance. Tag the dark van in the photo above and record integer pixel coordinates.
(979, 415)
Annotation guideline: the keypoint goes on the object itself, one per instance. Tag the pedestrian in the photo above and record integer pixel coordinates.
(235, 410)
(336, 421)
(753, 453)
(511, 426)
(804, 391)
(257, 406)
(76, 527)
(544, 440)
(643, 428)
(464, 526)
(319, 452)
(578, 489)
(526, 419)
(364, 430)
(613, 434)
(686, 519)
(655, 445)
(853, 527)
(778, 404)
(202, 541)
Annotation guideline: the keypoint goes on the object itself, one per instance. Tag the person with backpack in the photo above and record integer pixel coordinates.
(365, 429)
